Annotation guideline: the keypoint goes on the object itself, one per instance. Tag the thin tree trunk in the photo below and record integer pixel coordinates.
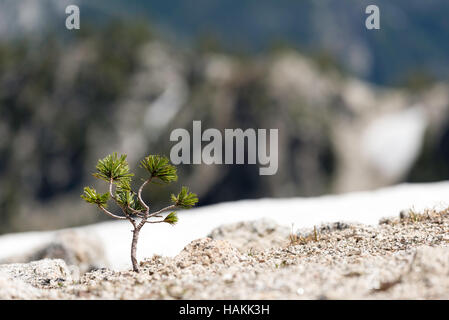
(134, 249)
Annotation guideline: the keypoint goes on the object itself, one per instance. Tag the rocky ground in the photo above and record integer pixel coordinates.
(407, 257)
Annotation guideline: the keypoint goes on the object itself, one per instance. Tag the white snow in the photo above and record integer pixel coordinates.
(363, 207)
(392, 142)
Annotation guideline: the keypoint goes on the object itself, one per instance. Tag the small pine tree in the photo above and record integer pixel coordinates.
(115, 171)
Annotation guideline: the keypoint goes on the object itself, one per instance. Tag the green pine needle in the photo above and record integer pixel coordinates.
(113, 167)
(136, 205)
(159, 167)
(172, 218)
(124, 185)
(126, 197)
(185, 199)
(91, 196)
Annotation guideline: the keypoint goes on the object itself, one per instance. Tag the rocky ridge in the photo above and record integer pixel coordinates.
(405, 257)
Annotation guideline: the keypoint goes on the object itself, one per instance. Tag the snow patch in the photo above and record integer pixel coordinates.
(392, 143)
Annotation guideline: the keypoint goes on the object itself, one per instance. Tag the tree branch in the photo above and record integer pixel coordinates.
(172, 207)
(110, 190)
(132, 221)
(136, 212)
(139, 195)
(127, 216)
(111, 214)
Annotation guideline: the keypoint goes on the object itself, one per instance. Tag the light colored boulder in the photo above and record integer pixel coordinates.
(39, 274)
(16, 289)
(77, 248)
(206, 252)
(252, 235)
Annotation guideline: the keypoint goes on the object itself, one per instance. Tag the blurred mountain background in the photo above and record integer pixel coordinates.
(355, 109)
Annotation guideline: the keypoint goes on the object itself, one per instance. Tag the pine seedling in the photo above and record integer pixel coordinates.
(115, 171)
